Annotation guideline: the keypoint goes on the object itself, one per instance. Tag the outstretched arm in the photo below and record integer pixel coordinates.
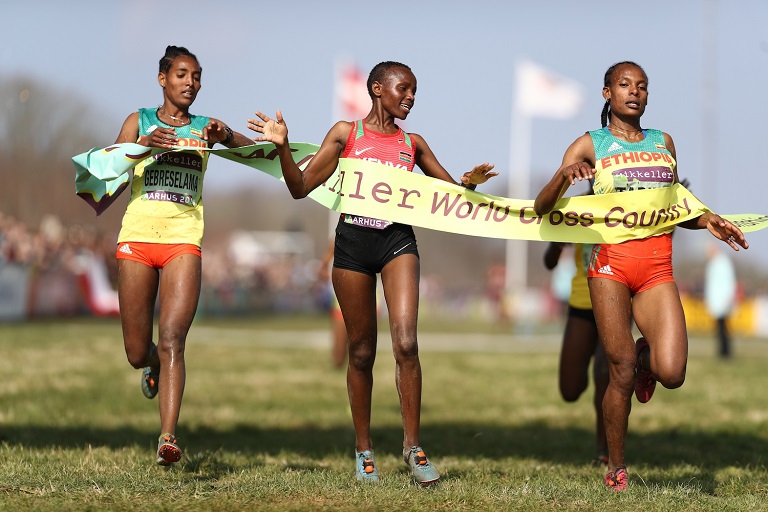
(319, 169)
(720, 228)
(427, 162)
(578, 164)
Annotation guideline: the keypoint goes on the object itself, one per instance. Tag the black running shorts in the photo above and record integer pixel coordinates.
(367, 250)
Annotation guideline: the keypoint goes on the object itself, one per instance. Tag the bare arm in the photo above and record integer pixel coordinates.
(719, 227)
(578, 164)
(322, 165)
(552, 254)
(427, 162)
(219, 132)
(323, 271)
(130, 130)
(160, 137)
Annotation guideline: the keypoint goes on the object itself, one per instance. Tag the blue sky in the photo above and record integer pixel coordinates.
(262, 56)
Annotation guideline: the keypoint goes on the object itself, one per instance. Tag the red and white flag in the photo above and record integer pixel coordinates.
(350, 98)
(543, 93)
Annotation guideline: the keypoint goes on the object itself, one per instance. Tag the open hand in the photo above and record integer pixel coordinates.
(215, 131)
(479, 174)
(272, 130)
(160, 137)
(725, 231)
(577, 172)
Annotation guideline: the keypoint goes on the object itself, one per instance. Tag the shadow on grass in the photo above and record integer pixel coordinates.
(665, 448)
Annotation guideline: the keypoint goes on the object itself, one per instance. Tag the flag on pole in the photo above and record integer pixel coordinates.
(543, 93)
(539, 92)
(350, 99)
(350, 103)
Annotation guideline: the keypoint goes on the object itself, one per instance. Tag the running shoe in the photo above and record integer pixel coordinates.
(149, 379)
(645, 383)
(617, 480)
(424, 473)
(600, 460)
(365, 467)
(168, 450)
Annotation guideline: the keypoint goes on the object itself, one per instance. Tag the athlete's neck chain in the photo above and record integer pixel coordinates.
(177, 119)
(625, 132)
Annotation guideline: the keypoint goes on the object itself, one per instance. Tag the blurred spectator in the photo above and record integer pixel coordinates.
(720, 295)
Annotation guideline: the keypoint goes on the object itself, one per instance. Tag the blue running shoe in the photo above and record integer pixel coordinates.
(424, 473)
(365, 467)
(168, 451)
(149, 379)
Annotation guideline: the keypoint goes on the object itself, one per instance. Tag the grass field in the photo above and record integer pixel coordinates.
(265, 426)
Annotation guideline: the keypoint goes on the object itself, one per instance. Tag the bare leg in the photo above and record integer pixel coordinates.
(580, 344)
(600, 376)
(339, 347)
(665, 333)
(400, 279)
(611, 304)
(179, 294)
(137, 291)
(357, 297)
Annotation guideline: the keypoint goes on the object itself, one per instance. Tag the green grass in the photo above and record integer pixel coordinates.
(265, 425)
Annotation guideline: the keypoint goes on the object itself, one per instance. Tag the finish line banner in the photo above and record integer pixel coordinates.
(368, 189)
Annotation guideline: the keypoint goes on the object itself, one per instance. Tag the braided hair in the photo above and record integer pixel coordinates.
(379, 72)
(171, 52)
(605, 115)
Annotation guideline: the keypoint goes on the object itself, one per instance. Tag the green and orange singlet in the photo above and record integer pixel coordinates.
(166, 204)
(623, 166)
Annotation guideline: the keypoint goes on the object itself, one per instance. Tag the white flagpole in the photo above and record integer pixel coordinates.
(709, 108)
(519, 179)
(338, 65)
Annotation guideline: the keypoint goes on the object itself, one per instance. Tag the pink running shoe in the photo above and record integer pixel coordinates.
(617, 480)
(645, 383)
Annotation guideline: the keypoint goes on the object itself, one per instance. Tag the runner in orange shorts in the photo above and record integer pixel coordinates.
(632, 280)
(162, 230)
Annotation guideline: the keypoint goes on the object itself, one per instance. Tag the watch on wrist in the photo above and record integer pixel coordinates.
(230, 136)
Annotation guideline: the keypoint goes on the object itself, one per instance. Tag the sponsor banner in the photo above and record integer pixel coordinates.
(377, 191)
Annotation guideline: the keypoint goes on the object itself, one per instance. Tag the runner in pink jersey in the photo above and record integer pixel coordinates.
(365, 247)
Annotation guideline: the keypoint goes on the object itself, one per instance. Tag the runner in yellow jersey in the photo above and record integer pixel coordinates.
(162, 230)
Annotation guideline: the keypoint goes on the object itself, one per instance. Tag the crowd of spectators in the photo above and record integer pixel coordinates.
(72, 270)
